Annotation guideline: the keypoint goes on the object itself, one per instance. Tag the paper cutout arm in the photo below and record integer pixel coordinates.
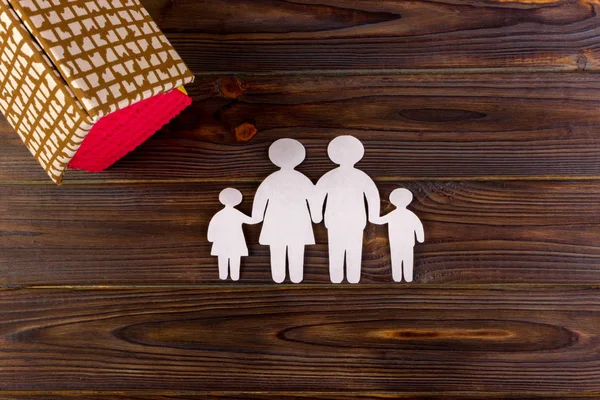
(419, 231)
(373, 201)
(211, 230)
(384, 219)
(317, 201)
(250, 220)
(261, 199)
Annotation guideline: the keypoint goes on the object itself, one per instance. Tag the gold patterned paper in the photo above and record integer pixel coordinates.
(110, 52)
(66, 64)
(35, 100)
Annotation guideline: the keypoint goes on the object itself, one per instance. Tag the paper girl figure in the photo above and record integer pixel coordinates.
(344, 190)
(281, 203)
(403, 225)
(226, 234)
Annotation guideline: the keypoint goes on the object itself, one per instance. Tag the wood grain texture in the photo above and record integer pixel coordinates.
(505, 169)
(472, 126)
(307, 35)
(231, 395)
(291, 339)
(476, 233)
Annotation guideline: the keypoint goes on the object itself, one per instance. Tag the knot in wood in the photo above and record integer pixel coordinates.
(231, 87)
(245, 132)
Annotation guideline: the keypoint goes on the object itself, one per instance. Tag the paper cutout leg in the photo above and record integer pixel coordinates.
(354, 257)
(278, 258)
(407, 265)
(227, 265)
(337, 252)
(223, 267)
(296, 260)
(402, 264)
(345, 250)
(234, 266)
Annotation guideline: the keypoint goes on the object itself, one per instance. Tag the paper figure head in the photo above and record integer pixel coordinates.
(230, 197)
(401, 197)
(287, 153)
(345, 150)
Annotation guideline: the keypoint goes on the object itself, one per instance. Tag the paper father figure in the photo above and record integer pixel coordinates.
(344, 190)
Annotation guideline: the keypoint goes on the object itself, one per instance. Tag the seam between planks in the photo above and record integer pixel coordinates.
(478, 395)
(404, 71)
(307, 286)
(489, 178)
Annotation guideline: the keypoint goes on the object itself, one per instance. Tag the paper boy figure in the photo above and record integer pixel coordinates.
(226, 234)
(402, 225)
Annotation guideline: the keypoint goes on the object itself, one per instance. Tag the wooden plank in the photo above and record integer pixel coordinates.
(228, 395)
(349, 338)
(266, 35)
(477, 233)
(419, 126)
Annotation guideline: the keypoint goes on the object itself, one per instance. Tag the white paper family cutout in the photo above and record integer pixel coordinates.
(287, 203)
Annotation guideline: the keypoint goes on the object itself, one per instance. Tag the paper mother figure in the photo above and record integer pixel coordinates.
(282, 203)
(403, 225)
(226, 234)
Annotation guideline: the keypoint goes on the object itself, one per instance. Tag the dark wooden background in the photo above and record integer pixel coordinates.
(489, 111)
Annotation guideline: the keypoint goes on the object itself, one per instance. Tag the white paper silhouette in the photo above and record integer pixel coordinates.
(344, 191)
(282, 203)
(403, 225)
(226, 234)
(287, 203)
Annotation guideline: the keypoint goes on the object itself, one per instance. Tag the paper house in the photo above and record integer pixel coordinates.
(83, 82)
